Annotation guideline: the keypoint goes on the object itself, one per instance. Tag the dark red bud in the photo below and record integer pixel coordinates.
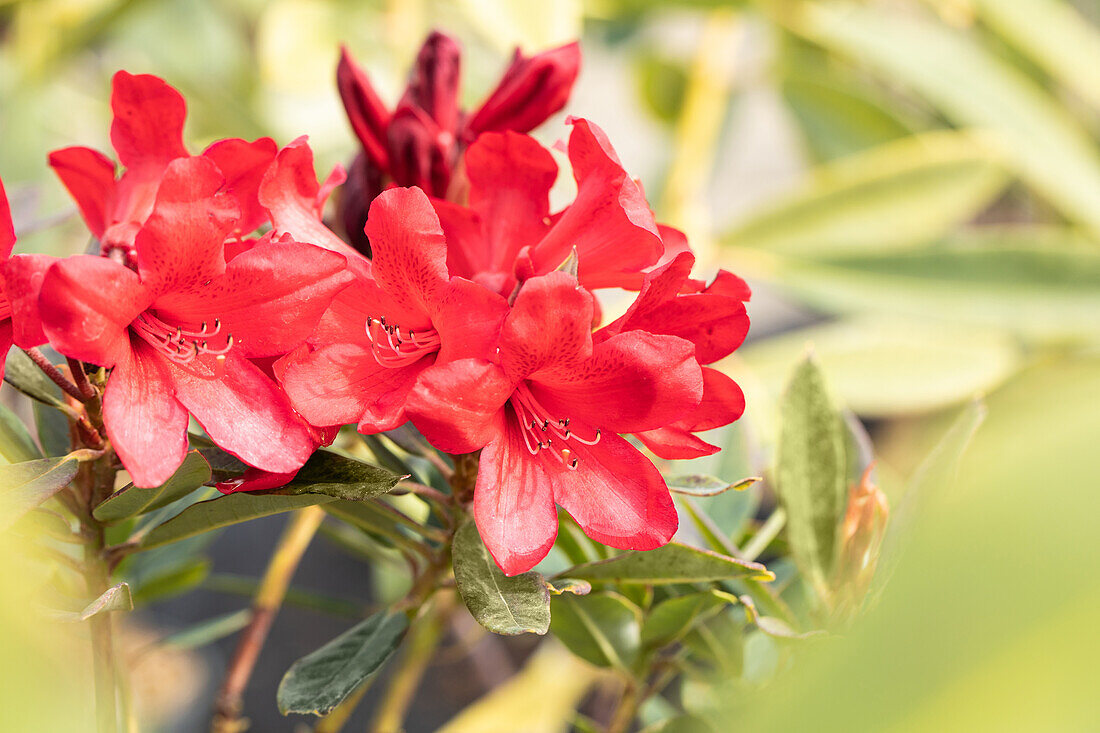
(531, 90)
(368, 116)
(420, 153)
(434, 81)
(365, 182)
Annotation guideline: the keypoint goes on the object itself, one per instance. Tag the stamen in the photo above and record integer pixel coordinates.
(540, 428)
(393, 351)
(182, 345)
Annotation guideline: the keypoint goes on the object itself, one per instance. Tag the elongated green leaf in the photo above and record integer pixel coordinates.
(131, 501)
(601, 628)
(341, 477)
(516, 605)
(21, 373)
(174, 581)
(321, 680)
(971, 85)
(673, 563)
(698, 485)
(23, 486)
(896, 195)
(718, 642)
(52, 427)
(670, 620)
(223, 466)
(1042, 282)
(1054, 35)
(224, 511)
(16, 445)
(208, 631)
(811, 470)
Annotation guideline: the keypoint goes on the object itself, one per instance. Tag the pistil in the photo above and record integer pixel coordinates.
(394, 348)
(543, 431)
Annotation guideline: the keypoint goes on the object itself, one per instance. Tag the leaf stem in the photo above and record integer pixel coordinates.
(269, 597)
(54, 374)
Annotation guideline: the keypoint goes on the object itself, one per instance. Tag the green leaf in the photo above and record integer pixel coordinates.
(810, 471)
(671, 619)
(569, 585)
(973, 87)
(672, 563)
(504, 605)
(131, 501)
(321, 680)
(698, 485)
(334, 475)
(177, 580)
(22, 373)
(224, 511)
(52, 427)
(774, 627)
(16, 445)
(24, 486)
(718, 642)
(208, 631)
(224, 466)
(893, 196)
(601, 628)
(1042, 282)
(115, 598)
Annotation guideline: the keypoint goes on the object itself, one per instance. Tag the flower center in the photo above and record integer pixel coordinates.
(394, 348)
(180, 345)
(541, 430)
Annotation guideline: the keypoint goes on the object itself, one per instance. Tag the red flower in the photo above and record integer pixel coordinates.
(549, 417)
(419, 144)
(713, 318)
(180, 330)
(386, 329)
(20, 279)
(147, 134)
(508, 231)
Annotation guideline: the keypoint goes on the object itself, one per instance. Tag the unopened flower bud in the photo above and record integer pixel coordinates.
(364, 183)
(531, 90)
(419, 151)
(861, 535)
(434, 82)
(368, 116)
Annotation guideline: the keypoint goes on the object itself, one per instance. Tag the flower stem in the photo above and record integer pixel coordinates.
(54, 374)
(103, 665)
(626, 710)
(265, 605)
(80, 378)
(426, 633)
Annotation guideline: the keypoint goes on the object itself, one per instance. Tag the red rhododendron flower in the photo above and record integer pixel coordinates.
(420, 142)
(386, 329)
(508, 230)
(549, 415)
(179, 329)
(712, 317)
(20, 280)
(147, 134)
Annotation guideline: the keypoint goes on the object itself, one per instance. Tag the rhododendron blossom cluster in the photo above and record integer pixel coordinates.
(459, 301)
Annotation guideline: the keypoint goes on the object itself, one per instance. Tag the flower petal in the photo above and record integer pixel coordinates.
(22, 278)
(148, 124)
(530, 91)
(550, 324)
(89, 177)
(468, 321)
(244, 412)
(617, 496)
(270, 297)
(457, 405)
(514, 501)
(368, 115)
(633, 381)
(244, 164)
(145, 422)
(434, 81)
(182, 244)
(7, 231)
(87, 303)
(5, 342)
(675, 444)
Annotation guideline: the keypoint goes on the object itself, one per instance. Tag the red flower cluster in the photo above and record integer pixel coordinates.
(475, 317)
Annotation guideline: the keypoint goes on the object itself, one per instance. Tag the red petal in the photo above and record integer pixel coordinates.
(673, 443)
(510, 180)
(433, 84)
(457, 406)
(244, 412)
(409, 254)
(633, 381)
(514, 502)
(550, 323)
(469, 321)
(148, 124)
(343, 383)
(723, 402)
(617, 496)
(467, 253)
(368, 116)
(531, 90)
(87, 304)
(289, 192)
(89, 177)
(255, 480)
(270, 297)
(146, 424)
(182, 244)
(22, 278)
(609, 222)
(419, 151)
(243, 164)
(7, 231)
(5, 342)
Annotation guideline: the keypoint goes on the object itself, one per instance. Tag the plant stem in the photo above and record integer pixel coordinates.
(626, 710)
(269, 597)
(80, 378)
(55, 376)
(103, 665)
(426, 633)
